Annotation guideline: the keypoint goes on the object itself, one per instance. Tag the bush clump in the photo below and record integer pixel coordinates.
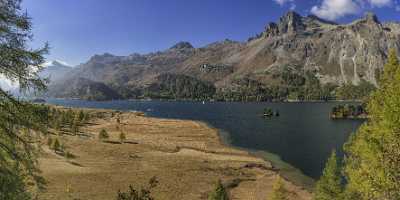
(103, 135)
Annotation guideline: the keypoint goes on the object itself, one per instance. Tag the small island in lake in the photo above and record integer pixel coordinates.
(268, 112)
(347, 111)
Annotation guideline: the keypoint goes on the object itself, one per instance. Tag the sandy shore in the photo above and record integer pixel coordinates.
(187, 158)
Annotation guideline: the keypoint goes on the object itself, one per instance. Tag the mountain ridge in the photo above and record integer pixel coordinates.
(335, 54)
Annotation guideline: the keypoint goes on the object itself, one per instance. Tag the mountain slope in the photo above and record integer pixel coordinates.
(84, 89)
(284, 59)
(55, 70)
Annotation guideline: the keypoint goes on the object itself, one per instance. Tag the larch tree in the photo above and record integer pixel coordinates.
(122, 137)
(219, 192)
(21, 65)
(372, 163)
(329, 186)
(278, 190)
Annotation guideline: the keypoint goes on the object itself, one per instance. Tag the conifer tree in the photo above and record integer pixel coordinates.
(219, 192)
(329, 186)
(278, 191)
(21, 65)
(122, 137)
(119, 119)
(103, 135)
(372, 164)
(57, 124)
(75, 125)
(390, 69)
(49, 142)
(81, 116)
(56, 145)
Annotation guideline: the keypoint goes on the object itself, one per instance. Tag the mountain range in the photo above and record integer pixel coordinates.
(299, 57)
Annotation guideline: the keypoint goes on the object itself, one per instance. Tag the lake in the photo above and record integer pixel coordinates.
(302, 136)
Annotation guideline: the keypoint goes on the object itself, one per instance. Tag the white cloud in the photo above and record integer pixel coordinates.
(380, 3)
(334, 9)
(292, 6)
(6, 84)
(282, 2)
(397, 6)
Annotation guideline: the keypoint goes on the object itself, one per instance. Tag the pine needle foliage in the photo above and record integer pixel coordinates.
(219, 192)
(278, 191)
(329, 186)
(20, 122)
(372, 165)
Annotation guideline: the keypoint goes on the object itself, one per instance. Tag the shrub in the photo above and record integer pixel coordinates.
(279, 192)
(50, 142)
(75, 125)
(81, 116)
(103, 134)
(122, 137)
(219, 192)
(69, 155)
(57, 124)
(142, 194)
(56, 145)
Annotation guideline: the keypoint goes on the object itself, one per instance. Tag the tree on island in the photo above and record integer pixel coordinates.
(329, 186)
(21, 65)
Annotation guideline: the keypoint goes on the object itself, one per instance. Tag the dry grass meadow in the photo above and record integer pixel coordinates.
(186, 157)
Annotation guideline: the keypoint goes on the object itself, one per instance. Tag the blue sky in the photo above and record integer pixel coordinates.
(78, 29)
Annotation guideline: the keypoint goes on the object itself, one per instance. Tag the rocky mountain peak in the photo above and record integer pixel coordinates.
(369, 22)
(370, 17)
(271, 30)
(56, 63)
(291, 23)
(182, 45)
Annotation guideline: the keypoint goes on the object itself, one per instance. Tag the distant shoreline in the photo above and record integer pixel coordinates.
(194, 100)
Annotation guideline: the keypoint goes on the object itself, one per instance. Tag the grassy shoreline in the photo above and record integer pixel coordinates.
(187, 157)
